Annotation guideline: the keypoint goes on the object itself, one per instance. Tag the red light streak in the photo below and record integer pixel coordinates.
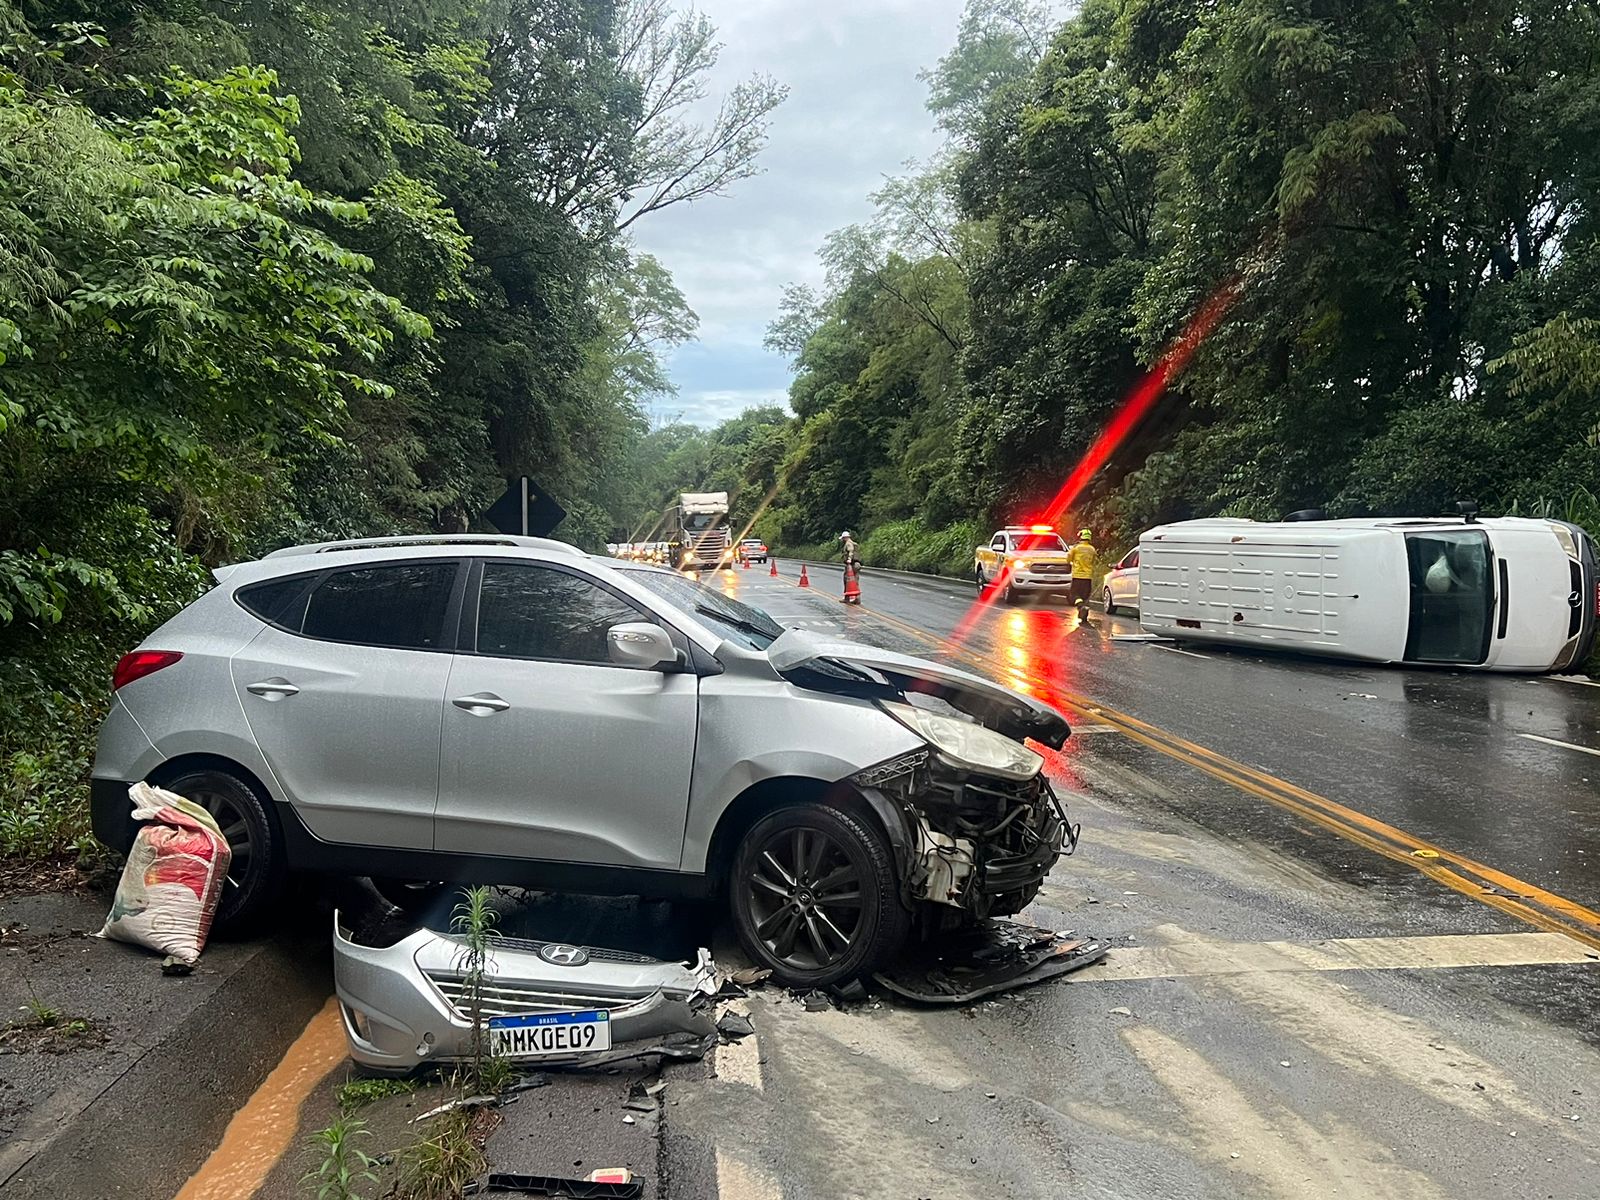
(1127, 417)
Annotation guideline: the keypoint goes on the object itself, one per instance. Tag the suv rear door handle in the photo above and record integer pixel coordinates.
(481, 704)
(273, 689)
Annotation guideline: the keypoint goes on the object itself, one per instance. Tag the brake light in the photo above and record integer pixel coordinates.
(140, 663)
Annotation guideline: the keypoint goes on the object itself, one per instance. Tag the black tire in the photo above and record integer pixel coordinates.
(1111, 609)
(977, 577)
(835, 933)
(1008, 595)
(256, 873)
(415, 898)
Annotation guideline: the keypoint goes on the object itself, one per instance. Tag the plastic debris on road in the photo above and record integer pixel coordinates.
(173, 879)
(994, 957)
(606, 1185)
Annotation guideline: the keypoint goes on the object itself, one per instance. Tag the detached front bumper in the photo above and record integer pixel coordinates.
(403, 1005)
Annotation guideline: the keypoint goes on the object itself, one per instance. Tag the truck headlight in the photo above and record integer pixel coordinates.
(966, 745)
(1564, 536)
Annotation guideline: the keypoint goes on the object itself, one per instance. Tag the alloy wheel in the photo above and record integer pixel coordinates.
(235, 830)
(805, 898)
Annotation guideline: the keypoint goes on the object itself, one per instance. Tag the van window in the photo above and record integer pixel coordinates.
(1451, 596)
(402, 606)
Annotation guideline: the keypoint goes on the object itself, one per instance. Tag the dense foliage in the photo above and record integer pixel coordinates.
(1398, 200)
(283, 270)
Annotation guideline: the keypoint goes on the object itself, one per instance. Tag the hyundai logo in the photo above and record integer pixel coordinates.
(564, 956)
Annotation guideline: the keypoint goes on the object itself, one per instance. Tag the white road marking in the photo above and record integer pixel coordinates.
(1095, 729)
(1534, 737)
(739, 1181)
(739, 1062)
(1338, 954)
(1175, 650)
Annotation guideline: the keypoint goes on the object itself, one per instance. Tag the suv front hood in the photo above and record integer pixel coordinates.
(998, 707)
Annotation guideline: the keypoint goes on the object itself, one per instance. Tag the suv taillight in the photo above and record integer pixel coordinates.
(140, 663)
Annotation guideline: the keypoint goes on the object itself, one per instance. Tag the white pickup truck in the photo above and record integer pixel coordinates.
(1035, 555)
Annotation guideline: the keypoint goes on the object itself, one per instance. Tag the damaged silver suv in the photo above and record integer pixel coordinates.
(511, 711)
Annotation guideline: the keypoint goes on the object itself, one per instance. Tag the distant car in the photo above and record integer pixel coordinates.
(753, 549)
(509, 710)
(1121, 588)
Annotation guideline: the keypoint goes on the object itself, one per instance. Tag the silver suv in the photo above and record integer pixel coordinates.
(512, 711)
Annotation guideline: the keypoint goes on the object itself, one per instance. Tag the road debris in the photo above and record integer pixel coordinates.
(173, 878)
(733, 1026)
(993, 957)
(750, 976)
(616, 1182)
(482, 1101)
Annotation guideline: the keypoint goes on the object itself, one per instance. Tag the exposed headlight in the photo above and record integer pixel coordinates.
(1564, 536)
(966, 745)
(1022, 564)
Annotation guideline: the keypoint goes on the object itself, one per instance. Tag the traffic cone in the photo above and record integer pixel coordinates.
(744, 561)
(852, 584)
(804, 582)
(774, 570)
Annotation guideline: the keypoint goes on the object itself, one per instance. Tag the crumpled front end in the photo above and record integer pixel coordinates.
(979, 843)
(408, 1003)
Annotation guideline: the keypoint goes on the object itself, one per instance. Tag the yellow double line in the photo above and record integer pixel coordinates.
(1512, 896)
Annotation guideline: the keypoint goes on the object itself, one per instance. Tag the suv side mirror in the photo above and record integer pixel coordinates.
(641, 644)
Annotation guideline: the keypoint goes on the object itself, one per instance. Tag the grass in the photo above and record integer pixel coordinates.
(473, 921)
(356, 1094)
(440, 1166)
(344, 1166)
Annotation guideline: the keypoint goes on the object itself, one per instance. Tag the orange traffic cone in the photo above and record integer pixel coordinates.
(744, 561)
(804, 582)
(774, 570)
(852, 584)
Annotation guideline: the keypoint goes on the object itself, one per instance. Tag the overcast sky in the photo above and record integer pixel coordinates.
(854, 114)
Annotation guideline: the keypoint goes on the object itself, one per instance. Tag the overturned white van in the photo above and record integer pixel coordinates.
(1496, 594)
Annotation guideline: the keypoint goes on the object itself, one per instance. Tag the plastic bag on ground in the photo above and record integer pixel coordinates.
(173, 879)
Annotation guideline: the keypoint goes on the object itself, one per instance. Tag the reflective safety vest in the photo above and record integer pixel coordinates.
(1082, 556)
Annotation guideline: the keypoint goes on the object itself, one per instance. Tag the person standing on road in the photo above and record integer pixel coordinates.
(1082, 556)
(852, 569)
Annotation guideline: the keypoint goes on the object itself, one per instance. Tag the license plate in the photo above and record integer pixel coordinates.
(541, 1035)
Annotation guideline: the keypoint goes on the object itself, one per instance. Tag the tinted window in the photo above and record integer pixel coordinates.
(1039, 541)
(401, 605)
(734, 619)
(1450, 597)
(536, 612)
(272, 601)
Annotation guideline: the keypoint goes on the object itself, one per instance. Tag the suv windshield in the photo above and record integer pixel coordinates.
(1450, 596)
(738, 622)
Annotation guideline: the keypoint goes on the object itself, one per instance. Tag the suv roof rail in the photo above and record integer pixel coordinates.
(440, 539)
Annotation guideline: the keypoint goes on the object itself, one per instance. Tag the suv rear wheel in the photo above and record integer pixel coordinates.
(814, 896)
(255, 873)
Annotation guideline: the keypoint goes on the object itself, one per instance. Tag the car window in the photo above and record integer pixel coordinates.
(1130, 559)
(999, 542)
(273, 601)
(538, 612)
(733, 619)
(400, 605)
(1037, 542)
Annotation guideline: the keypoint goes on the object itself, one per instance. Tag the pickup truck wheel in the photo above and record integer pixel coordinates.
(255, 872)
(1008, 595)
(977, 578)
(814, 896)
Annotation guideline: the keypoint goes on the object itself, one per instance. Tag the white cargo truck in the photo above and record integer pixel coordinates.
(703, 534)
(1496, 594)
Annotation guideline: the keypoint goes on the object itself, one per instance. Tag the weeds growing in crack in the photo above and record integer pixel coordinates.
(473, 920)
(441, 1166)
(344, 1166)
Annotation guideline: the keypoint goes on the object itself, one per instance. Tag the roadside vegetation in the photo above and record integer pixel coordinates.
(1396, 203)
(286, 272)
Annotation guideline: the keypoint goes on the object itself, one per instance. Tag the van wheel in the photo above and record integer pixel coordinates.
(1111, 609)
(814, 896)
(256, 872)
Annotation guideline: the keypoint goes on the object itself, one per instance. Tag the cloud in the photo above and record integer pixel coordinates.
(855, 114)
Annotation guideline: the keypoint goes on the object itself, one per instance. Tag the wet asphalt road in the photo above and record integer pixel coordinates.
(1286, 1013)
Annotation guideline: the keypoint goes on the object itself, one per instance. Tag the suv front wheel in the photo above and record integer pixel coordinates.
(814, 896)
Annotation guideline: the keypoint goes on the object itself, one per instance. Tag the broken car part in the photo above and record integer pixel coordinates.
(412, 1001)
(997, 956)
(553, 1185)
